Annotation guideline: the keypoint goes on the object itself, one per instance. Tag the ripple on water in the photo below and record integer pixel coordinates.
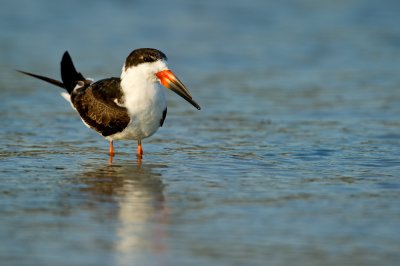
(293, 157)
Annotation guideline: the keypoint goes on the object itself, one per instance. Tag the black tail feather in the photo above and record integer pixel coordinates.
(69, 75)
(49, 80)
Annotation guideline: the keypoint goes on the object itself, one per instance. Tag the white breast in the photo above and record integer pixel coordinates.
(144, 100)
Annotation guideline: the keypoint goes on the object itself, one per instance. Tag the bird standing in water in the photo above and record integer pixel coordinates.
(132, 106)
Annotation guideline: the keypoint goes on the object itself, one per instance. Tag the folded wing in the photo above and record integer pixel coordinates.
(100, 106)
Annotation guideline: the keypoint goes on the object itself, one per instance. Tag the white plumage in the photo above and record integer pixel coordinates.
(144, 99)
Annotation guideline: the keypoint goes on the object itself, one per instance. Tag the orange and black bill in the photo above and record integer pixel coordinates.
(170, 81)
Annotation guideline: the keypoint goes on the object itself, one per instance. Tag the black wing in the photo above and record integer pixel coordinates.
(164, 115)
(97, 105)
(49, 80)
(69, 75)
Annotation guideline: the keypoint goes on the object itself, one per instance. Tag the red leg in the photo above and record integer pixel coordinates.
(139, 149)
(112, 153)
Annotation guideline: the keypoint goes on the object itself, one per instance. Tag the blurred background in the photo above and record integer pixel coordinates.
(293, 159)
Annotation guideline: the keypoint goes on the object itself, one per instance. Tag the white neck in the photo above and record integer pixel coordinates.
(141, 87)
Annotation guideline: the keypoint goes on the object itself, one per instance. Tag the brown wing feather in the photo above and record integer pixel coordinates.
(97, 107)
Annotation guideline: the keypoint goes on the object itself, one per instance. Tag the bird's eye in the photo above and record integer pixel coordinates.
(147, 59)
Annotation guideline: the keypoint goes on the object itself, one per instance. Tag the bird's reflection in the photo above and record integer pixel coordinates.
(140, 214)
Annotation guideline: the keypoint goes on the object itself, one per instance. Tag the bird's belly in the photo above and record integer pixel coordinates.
(143, 124)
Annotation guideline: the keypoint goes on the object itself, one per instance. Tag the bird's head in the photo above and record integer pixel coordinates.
(153, 65)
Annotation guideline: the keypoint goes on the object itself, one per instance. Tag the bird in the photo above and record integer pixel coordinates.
(130, 107)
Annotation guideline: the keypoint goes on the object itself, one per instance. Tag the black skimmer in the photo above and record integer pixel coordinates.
(130, 107)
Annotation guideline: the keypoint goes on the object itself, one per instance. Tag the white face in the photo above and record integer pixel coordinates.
(144, 77)
(145, 71)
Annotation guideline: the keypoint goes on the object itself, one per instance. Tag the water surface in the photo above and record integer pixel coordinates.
(293, 159)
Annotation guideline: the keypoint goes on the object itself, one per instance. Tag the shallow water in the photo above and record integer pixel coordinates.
(293, 159)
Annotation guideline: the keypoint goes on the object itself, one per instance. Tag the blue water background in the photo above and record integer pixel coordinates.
(294, 158)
